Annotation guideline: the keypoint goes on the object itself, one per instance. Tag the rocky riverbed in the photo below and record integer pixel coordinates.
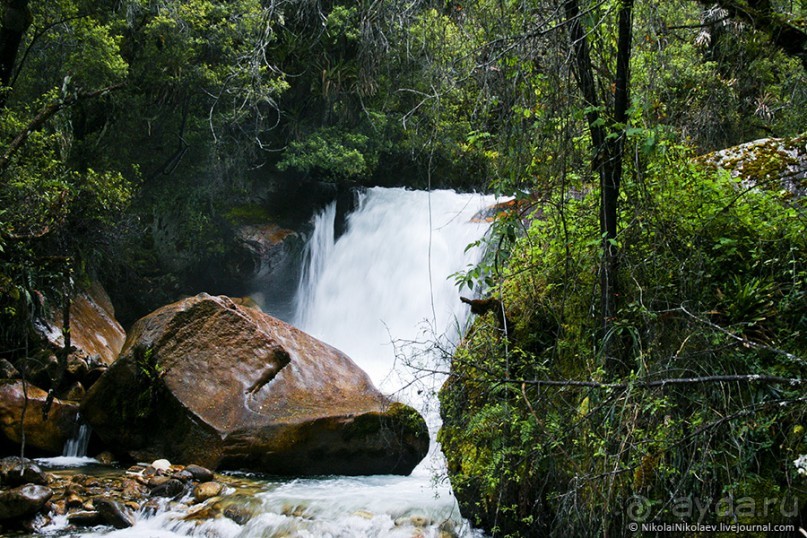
(98, 498)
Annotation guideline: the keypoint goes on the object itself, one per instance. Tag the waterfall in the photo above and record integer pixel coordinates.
(74, 452)
(382, 292)
(76, 445)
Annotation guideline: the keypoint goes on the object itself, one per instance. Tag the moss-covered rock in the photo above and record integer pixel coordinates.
(772, 163)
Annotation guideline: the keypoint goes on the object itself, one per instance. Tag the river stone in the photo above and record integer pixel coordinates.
(23, 501)
(210, 381)
(170, 488)
(207, 490)
(114, 513)
(85, 518)
(199, 473)
(16, 471)
(45, 435)
(161, 464)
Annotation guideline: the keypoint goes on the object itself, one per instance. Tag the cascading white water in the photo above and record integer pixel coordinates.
(76, 446)
(74, 453)
(385, 283)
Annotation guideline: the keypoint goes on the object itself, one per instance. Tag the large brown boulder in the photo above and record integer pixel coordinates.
(44, 435)
(208, 381)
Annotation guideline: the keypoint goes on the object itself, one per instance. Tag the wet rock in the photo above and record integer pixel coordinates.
(239, 514)
(91, 482)
(85, 518)
(105, 458)
(77, 367)
(419, 521)
(199, 473)
(133, 490)
(182, 476)
(114, 513)
(207, 490)
(58, 508)
(202, 512)
(150, 507)
(24, 501)
(93, 375)
(149, 471)
(8, 371)
(94, 331)
(42, 369)
(16, 471)
(73, 500)
(234, 387)
(74, 392)
(156, 481)
(171, 488)
(265, 246)
(447, 529)
(294, 510)
(46, 435)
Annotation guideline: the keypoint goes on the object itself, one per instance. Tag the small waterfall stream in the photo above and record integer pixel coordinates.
(74, 453)
(76, 446)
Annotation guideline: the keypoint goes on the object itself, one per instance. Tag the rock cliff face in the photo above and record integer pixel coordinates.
(223, 385)
(94, 331)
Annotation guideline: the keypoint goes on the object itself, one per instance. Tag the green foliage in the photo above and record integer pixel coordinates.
(713, 282)
(331, 154)
(148, 372)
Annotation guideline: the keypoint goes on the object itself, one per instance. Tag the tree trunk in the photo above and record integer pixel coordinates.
(16, 20)
(608, 141)
(611, 174)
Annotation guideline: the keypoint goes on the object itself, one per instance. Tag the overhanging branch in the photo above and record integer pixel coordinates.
(43, 116)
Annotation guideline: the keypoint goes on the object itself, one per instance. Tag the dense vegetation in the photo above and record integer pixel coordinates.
(643, 289)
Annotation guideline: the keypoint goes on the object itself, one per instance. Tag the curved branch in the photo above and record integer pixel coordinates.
(43, 116)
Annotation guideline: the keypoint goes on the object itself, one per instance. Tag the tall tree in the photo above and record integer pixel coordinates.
(607, 130)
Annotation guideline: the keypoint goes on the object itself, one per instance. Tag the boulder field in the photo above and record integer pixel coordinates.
(210, 381)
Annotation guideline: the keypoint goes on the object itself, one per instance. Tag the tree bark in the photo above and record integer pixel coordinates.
(16, 20)
(607, 139)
